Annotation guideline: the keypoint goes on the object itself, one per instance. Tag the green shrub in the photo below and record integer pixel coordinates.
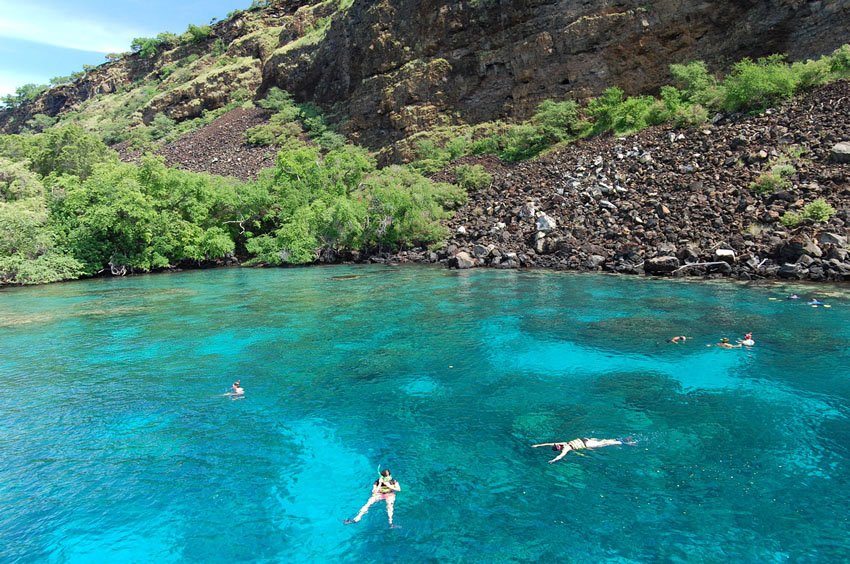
(818, 211)
(168, 39)
(146, 47)
(432, 155)
(471, 177)
(757, 85)
(405, 209)
(218, 48)
(559, 121)
(812, 73)
(277, 132)
(68, 150)
(23, 94)
(774, 179)
(791, 219)
(27, 251)
(196, 33)
(697, 85)
(613, 112)
(40, 122)
(60, 80)
(17, 181)
(161, 126)
(279, 101)
(522, 142)
(240, 95)
(489, 145)
(691, 115)
(167, 71)
(768, 183)
(840, 60)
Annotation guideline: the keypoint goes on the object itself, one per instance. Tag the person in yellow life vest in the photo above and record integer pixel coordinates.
(384, 489)
(578, 444)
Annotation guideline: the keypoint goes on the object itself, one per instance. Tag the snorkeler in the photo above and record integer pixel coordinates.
(725, 344)
(747, 341)
(385, 489)
(236, 390)
(678, 339)
(579, 444)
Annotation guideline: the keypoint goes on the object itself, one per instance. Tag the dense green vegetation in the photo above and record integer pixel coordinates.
(69, 208)
(694, 96)
(817, 211)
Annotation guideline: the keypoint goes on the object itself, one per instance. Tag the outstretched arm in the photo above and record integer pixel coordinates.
(543, 444)
(562, 454)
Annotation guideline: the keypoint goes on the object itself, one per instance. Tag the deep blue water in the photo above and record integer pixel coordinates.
(118, 445)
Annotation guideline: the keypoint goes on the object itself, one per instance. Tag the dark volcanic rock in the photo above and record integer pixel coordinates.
(661, 265)
(659, 217)
(220, 147)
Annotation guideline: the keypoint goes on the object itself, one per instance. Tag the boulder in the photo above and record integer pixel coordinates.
(539, 242)
(526, 211)
(661, 265)
(463, 261)
(726, 255)
(841, 152)
(812, 248)
(545, 223)
(825, 238)
(791, 271)
(791, 250)
(480, 251)
(594, 261)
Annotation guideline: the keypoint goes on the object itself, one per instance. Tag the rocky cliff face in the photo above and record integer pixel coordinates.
(391, 68)
(398, 66)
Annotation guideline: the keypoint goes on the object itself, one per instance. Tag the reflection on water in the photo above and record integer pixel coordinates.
(123, 447)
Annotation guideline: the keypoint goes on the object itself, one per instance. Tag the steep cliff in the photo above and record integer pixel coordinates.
(386, 69)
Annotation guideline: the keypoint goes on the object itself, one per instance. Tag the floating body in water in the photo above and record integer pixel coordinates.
(384, 489)
(678, 339)
(236, 390)
(579, 444)
(747, 341)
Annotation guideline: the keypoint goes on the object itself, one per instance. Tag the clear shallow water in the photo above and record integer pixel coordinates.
(119, 446)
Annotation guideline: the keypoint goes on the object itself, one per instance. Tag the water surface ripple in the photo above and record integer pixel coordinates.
(118, 445)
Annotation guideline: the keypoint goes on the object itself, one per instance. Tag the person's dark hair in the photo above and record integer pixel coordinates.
(385, 472)
(557, 447)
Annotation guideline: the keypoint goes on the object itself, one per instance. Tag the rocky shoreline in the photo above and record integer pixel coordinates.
(661, 202)
(669, 202)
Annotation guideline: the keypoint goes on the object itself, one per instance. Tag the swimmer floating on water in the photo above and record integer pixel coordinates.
(725, 344)
(747, 341)
(580, 444)
(236, 390)
(384, 489)
(678, 339)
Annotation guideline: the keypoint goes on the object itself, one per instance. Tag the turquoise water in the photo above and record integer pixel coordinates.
(119, 446)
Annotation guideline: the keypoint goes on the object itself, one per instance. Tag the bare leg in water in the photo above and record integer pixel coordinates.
(389, 498)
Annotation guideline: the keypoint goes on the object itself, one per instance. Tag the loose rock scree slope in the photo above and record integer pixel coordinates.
(666, 200)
